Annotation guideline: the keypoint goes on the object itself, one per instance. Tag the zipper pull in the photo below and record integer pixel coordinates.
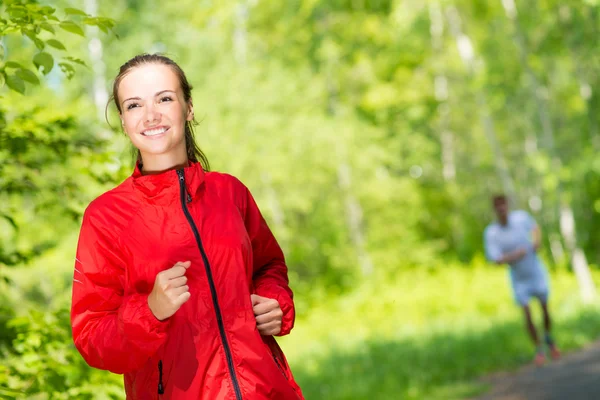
(181, 176)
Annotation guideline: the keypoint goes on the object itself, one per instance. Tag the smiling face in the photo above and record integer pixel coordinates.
(154, 114)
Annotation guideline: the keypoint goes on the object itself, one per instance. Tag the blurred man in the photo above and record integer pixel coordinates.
(514, 240)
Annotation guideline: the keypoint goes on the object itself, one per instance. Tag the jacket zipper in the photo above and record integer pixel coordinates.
(161, 387)
(279, 365)
(211, 283)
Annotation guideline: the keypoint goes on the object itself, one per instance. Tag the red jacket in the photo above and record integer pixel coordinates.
(210, 349)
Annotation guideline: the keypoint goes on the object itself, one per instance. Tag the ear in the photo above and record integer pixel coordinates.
(190, 113)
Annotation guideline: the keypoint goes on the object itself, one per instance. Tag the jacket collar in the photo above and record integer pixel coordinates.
(163, 189)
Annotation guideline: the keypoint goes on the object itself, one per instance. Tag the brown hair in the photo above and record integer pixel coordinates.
(194, 152)
(499, 198)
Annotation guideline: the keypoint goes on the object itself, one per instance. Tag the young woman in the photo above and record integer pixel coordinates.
(179, 284)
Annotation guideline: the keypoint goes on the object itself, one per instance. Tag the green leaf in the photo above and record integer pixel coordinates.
(108, 22)
(17, 11)
(74, 11)
(10, 29)
(56, 44)
(67, 69)
(47, 27)
(47, 10)
(31, 35)
(72, 27)
(44, 60)
(12, 64)
(28, 76)
(15, 83)
(103, 28)
(39, 44)
(76, 61)
(91, 21)
(2, 51)
(2, 79)
(10, 221)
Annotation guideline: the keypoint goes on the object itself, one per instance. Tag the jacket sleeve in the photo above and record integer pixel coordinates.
(270, 273)
(111, 330)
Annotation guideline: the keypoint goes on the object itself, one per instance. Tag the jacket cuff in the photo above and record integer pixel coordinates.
(137, 322)
(272, 291)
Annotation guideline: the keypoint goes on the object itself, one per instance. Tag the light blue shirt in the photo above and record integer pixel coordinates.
(502, 239)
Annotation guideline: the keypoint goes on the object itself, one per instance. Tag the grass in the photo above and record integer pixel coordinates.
(425, 335)
(420, 334)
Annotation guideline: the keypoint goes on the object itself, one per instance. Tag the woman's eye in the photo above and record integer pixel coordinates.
(166, 98)
(131, 106)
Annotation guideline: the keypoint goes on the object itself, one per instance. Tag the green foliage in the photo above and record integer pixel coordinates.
(42, 148)
(42, 343)
(35, 141)
(426, 334)
(39, 24)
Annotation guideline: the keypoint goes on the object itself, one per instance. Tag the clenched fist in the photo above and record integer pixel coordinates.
(170, 291)
(268, 315)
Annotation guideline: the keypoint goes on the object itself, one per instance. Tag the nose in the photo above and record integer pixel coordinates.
(151, 115)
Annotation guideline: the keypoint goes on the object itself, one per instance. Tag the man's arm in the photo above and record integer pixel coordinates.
(494, 253)
(511, 257)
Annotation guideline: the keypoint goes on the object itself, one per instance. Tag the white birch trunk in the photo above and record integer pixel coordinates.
(354, 218)
(467, 54)
(95, 49)
(441, 95)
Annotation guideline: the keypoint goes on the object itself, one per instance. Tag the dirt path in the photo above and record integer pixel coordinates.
(575, 377)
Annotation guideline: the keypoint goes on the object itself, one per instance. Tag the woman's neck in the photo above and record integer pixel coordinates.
(156, 164)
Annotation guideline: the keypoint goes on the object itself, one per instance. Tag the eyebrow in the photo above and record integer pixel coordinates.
(156, 94)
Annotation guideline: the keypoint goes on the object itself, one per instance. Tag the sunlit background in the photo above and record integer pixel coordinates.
(372, 134)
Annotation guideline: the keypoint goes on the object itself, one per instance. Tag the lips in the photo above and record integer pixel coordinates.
(155, 131)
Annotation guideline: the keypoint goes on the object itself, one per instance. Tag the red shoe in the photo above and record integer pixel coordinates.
(540, 359)
(554, 353)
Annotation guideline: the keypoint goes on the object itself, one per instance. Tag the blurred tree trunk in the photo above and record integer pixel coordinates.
(98, 66)
(467, 54)
(441, 93)
(353, 209)
(565, 211)
(240, 33)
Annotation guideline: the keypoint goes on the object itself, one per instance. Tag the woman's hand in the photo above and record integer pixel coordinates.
(268, 315)
(170, 291)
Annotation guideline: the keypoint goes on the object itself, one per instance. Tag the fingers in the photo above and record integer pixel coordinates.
(178, 282)
(265, 306)
(255, 299)
(182, 298)
(170, 291)
(180, 290)
(274, 315)
(268, 315)
(175, 271)
(269, 329)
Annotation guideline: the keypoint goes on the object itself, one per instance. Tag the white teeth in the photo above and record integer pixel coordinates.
(153, 132)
